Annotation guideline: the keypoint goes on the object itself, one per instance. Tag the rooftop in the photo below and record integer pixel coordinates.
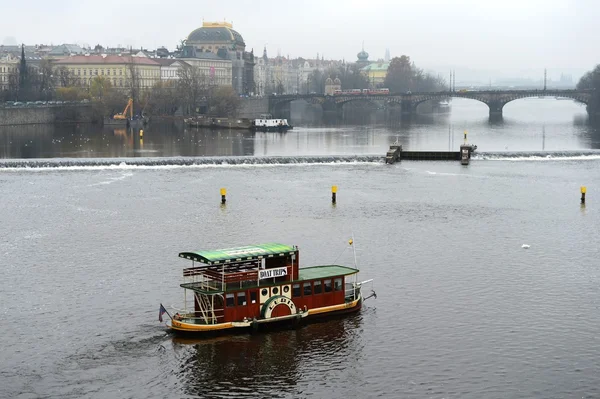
(106, 59)
(326, 271)
(168, 61)
(216, 32)
(66, 49)
(377, 66)
(239, 254)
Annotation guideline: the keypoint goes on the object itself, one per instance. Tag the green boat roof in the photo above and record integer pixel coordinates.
(239, 254)
(326, 271)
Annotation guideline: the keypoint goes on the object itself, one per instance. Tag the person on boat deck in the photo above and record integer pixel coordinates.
(177, 316)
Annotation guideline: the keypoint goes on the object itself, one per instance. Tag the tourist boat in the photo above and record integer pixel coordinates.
(250, 287)
(266, 123)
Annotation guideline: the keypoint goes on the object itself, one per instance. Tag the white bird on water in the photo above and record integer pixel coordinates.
(526, 246)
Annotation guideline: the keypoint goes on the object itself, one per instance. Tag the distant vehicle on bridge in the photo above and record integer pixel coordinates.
(358, 92)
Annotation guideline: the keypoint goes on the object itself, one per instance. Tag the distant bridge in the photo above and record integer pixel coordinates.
(408, 102)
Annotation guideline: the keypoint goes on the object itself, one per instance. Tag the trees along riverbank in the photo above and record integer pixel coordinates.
(591, 81)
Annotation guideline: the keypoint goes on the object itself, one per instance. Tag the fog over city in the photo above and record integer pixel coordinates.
(473, 37)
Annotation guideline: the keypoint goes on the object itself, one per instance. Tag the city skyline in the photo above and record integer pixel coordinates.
(515, 34)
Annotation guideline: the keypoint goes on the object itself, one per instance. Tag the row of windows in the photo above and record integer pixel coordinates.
(143, 72)
(317, 287)
(95, 72)
(239, 298)
(207, 64)
(306, 289)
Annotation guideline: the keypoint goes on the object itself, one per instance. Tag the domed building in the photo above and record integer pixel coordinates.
(362, 58)
(221, 40)
(213, 36)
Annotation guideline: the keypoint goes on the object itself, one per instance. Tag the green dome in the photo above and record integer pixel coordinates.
(363, 56)
(216, 34)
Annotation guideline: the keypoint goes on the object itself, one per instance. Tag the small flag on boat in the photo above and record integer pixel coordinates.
(161, 311)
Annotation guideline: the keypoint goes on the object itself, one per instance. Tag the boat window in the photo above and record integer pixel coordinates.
(252, 296)
(286, 289)
(327, 284)
(230, 301)
(296, 290)
(318, 288)
(275, 290)
(307, 289)
(241, 299)
(337, 284)
(264, 292)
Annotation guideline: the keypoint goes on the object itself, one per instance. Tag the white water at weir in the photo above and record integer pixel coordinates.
(209, 162)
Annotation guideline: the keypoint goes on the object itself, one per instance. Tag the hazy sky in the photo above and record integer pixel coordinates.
(479, 34)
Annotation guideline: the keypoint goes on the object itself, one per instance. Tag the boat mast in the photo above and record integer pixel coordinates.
(355, 274)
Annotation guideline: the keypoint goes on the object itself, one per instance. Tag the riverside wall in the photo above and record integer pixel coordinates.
(252, 107)
(45, 115)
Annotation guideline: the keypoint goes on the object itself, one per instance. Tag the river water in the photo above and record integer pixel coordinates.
(89, 250)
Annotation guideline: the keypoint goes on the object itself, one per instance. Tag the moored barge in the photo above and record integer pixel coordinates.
(248, 287)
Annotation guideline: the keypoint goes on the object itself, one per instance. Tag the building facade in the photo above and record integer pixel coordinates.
(218, 71)
(331, 85)
(169, 68)
(220, 39)
(9, 66)
(376, 73)
(82, 69)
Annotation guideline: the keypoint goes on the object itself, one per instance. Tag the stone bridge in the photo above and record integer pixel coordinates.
(408, 102)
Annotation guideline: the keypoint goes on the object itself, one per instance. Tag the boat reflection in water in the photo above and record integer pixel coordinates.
(267, 364)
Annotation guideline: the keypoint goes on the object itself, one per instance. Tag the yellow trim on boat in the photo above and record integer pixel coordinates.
(177, 325)
(333, 308)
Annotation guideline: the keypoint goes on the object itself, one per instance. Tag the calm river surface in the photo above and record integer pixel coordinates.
(89, 248)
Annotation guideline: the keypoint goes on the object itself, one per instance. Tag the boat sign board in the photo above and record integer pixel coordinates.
(271, 273)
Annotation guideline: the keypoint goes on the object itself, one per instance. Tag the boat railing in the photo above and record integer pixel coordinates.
(351, 291)
(203, 316)
(205, 285)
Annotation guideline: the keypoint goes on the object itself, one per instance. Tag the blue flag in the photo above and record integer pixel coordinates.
(161, 311)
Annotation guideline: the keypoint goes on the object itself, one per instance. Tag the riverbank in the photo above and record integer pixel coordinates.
(46, 114)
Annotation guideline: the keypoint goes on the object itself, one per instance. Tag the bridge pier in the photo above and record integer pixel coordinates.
(406, 107)
(495, 110)
(282, 111)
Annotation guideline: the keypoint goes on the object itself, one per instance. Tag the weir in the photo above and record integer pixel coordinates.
(397, 154)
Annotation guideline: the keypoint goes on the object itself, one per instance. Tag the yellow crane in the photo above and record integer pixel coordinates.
(123, 115)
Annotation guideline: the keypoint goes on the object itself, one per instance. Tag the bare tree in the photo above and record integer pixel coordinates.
(192, 86)
(44, 83)
(163, 99)
(225, 102)
(133, 81)
(65, 77)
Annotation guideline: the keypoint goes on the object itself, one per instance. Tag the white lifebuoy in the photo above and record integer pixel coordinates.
(273, 302)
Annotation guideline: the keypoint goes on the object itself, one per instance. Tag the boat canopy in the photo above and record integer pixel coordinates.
(325, 271)
(240, 254)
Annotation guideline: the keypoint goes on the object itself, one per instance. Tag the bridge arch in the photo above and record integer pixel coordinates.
(280, 106)
(437, 97)
(277, 104)
(373, 102)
